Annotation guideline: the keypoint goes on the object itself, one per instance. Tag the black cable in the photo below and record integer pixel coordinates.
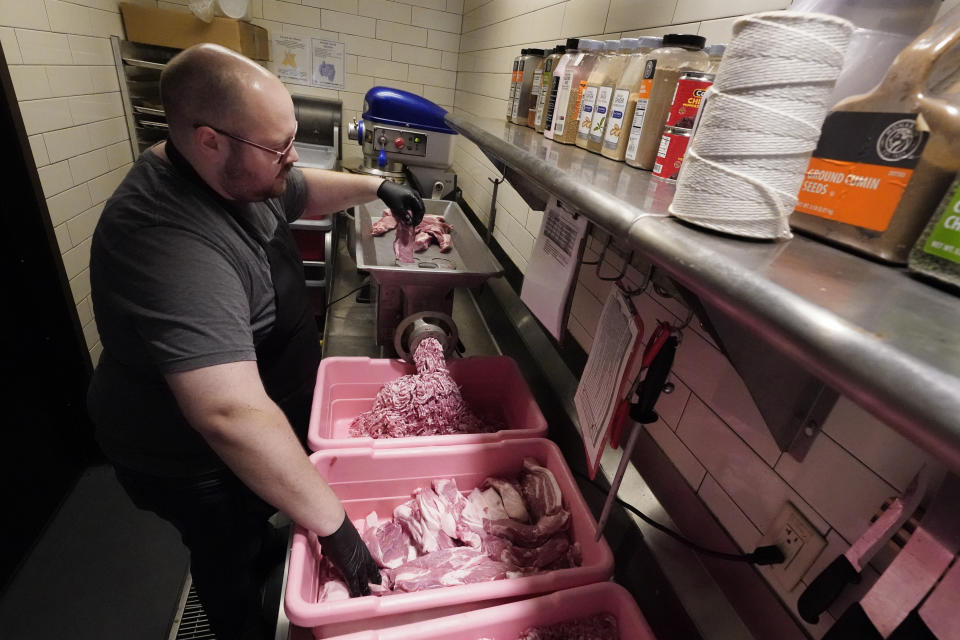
(769, 554)
(347, 294)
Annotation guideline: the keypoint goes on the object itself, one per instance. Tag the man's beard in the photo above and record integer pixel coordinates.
(244, 185)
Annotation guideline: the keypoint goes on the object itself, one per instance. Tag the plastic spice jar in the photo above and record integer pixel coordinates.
(624, 100)
(663, 68)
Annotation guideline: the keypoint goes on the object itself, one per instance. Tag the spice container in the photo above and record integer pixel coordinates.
(600, 86)
(514, 81)
(885, 158)
(663, 69)
(937, 253)
(715, 53)
(573, 50)
(673, 146)
(687, 99)
(572, 86)
(546, 82)
(528, 67)
(624, 101)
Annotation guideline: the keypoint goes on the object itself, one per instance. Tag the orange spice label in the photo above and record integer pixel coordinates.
(861, 168)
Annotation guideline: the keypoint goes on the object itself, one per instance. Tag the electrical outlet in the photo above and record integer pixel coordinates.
(799, 541)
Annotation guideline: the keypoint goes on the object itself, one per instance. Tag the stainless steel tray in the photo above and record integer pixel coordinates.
(468, 264)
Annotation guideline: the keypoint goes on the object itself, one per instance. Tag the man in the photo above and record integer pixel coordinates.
(210, 352)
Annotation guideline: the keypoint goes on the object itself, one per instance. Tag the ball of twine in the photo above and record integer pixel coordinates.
(760, 122)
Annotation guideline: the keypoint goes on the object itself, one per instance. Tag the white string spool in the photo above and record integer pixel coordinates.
(760, 122)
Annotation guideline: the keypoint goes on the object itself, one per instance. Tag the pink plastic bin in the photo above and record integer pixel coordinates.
(508, 621)
(380, 479)
(492, 385)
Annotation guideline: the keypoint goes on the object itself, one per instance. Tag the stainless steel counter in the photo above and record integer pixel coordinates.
(887, 341)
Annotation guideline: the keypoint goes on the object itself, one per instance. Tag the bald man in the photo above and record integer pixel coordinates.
(202, 395)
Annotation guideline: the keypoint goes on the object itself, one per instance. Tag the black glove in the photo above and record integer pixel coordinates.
(405, 203)
(350, 555)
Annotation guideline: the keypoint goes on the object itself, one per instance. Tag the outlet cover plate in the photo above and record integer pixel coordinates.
(799, 541)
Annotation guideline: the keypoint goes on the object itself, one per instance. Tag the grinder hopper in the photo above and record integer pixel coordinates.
(415, 300)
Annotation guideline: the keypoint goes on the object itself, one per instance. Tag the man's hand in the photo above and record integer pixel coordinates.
(350, 555)
(405, 203)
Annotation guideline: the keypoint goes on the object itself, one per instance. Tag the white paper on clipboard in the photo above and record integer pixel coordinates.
(553, 266)
(598, 392)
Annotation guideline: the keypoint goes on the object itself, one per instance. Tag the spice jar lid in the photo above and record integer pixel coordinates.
(716, 50)
(686, 40)
(560, 48)
(611, 45)
(535, 52)
(651, 42)
(573, 43)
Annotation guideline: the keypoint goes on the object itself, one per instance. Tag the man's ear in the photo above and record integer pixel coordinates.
(206, 140)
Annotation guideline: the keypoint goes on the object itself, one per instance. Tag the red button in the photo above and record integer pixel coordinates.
(398, 143)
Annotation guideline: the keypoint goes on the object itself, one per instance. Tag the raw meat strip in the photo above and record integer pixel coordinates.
(508, 553)
(423, 528)
(384, 224)
(481, 505)
(466, 528)
(573, 557)
(529, 535)
(389, 544)
(539, 489)
(513, 502)
(423, 404)
(458, 565)
(601, 626)
(433, 228)
(404, 244)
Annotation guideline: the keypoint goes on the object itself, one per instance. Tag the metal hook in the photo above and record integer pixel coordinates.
(619, 276)
(679, 328)
(603, 252)
(630, 293)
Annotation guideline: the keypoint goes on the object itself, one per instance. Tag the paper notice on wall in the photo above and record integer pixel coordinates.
(329, 68)
(599, 390)
(554, 263)
(292, 56)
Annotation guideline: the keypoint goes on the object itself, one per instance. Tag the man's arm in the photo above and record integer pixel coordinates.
(229, 407)
(330, 191)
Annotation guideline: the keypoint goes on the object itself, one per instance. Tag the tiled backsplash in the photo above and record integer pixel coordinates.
(709, 428)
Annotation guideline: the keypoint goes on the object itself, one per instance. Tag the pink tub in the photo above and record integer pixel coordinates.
(508, 621)
(346, 387)
(368, 479)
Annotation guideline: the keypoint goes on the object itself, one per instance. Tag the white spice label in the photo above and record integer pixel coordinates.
(618, 108)
(587, 103)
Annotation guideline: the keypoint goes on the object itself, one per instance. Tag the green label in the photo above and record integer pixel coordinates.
(944, 241)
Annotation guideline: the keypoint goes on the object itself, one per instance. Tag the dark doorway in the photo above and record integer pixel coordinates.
(44, 365)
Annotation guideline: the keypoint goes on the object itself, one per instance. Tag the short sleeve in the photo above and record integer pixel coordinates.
(183, 296)
(295, 195)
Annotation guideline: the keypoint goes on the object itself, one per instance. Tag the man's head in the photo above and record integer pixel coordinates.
(230, 118)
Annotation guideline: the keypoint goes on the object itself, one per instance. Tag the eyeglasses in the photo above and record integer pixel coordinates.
(281, 155)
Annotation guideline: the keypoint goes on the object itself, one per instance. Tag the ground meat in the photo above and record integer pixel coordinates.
(422, 404)
(601, 626)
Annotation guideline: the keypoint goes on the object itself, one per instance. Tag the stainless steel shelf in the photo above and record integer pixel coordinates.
(887, 341)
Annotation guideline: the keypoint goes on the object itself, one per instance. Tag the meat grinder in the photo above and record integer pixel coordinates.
(405, 139)
(414, 301)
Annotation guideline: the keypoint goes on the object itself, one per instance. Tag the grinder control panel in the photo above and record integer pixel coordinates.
(411, 143)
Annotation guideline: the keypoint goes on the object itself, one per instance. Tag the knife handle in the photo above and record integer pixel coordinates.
(826, 588)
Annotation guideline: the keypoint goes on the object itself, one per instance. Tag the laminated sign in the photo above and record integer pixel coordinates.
(861, 167)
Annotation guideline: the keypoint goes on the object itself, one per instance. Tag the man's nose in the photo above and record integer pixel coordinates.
(292, 156)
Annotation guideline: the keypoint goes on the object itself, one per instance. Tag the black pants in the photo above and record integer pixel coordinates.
(232, 546)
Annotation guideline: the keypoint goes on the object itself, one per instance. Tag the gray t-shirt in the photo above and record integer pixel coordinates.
(177, 284)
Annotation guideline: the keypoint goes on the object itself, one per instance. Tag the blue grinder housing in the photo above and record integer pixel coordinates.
(398, 108)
